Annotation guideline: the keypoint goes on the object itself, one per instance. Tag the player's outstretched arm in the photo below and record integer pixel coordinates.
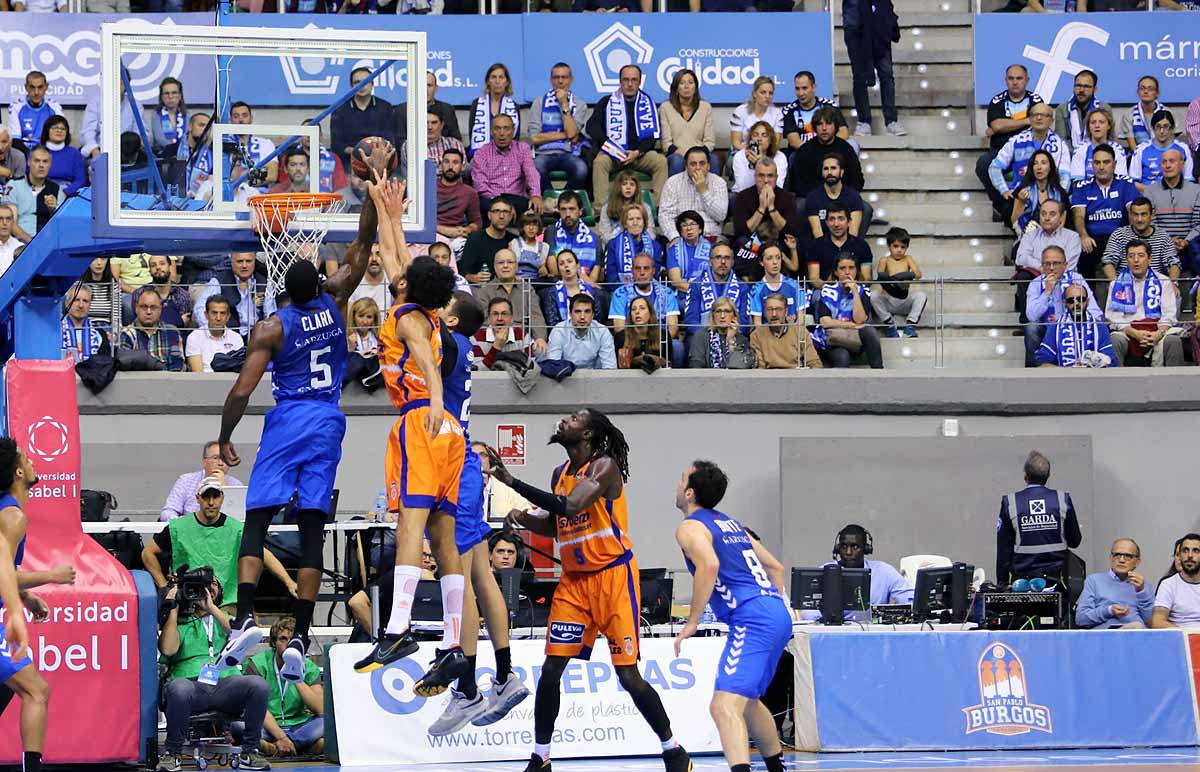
(696, 542)
(343, 283)
(14, 621)
(771, 564)
(603, 479)
(391, 201)
(265, 340)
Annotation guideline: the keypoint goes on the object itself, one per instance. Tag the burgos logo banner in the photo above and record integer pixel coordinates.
(1004, 705)
(726, 51)
(1119, 47)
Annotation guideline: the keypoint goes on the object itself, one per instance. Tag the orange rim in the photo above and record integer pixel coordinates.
(277, 208)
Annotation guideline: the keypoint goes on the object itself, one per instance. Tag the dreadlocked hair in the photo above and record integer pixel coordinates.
(609, 441)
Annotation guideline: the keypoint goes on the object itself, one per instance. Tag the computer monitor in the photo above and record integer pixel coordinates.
(657, 588)
(509, 580)
(942, 589)
(427, 602)
(831, 590)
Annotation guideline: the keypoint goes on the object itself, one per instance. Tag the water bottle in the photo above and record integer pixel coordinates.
(707, 617)
(381, 505)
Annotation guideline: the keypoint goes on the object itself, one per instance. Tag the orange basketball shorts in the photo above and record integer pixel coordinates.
(606, 602)
(424, 472)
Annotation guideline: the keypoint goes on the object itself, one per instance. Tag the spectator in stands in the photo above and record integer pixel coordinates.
(458, 202)
(199, 167)
(869, 29)
(66, 163)
(1076, 340)
(626, 191)
(780, 342)
(825, 253)
(1097, 211)
(1101, 131)
(374, 284)
(1163, 257)
(570, 232)
(208, 538)
(805, 170)
(99, 279)
(1137, 122)
(12, 162)
(1050, 231)
(256, 148)
(1177, 602)
(504, 546)
(89, 136)
(1045, 302)
(215, 338)
(842, 312)
(1007, 116)
(1176, 202)
(1014, 157)
(798, 124)
(630, 142)
(293, 723)
(503, 168)
(81, 337)
(765, 202)
(764, 143)
(718, 281)
(688, 256)
(1118, 597)
(1071, 117)
(444, 110)
(888, 585)
(161, 341)
(896, 295)
(20, 200)
(1040, 184)
(177, 301)
(687, 121)
(10, 245)
(365, 115)
(1141, 310)
(527, 311)
(640, 344)
(169, 119)
(243, 287)
(362, 333)
(196, 683)
(28, 114)
(532, 252)
(718, 343)
(582, 340)
(759, 107)
(696, 189)
(499, 335)
(664, 306)
(480, 248)
(441, 253)
(295, 171)
(133, 272)
(556, 299)
(1146, 164)
(775, 283)
(631, 240)
(436, 143)
(38, 186)
(1193, 125)
(819, 200)
(556, 130)
(497, 100)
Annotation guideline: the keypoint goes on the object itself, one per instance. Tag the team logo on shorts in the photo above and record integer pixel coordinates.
(1005, 708)
(566, 632)
(628, 646)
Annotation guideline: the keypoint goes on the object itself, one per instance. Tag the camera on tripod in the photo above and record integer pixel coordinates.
(256, 177)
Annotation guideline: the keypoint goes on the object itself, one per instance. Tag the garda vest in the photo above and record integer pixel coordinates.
(1038, 517)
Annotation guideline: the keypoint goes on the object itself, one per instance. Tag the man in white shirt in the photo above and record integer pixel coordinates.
(1142, 308)
(203, 344)
(374, 284)
(1177, 603)
(10, 245)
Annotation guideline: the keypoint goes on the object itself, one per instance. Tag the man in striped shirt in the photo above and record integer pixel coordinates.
(1177, 208)
(1163, 258)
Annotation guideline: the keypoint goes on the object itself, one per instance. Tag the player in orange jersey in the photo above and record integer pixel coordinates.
(586, 512)
(423, 465)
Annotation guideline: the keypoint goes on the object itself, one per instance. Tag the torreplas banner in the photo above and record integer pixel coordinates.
(1118, 47)
(380, 721)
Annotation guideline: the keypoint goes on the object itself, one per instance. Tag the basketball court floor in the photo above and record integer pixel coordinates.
(1129, 760)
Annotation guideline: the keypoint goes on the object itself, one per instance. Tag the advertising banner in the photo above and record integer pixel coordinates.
(596, 719)
(88, 649)
(976, 690)
(1118, 47)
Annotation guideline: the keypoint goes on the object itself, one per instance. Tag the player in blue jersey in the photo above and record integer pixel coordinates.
(743, 583)
(305, 343)
(18, 676)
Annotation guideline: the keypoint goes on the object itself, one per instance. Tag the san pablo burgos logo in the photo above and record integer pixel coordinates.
(1005, 707)
(48, 439)
(619, 45)
(1057, 61)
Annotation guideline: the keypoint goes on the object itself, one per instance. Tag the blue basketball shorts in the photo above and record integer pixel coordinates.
(469, 526)
(8, 668)
(758, 634)
(298, 456)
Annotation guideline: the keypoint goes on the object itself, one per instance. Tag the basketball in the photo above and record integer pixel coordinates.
(360, 169)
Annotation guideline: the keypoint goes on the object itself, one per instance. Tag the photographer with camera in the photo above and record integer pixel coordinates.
(207, 537)
(193, 631)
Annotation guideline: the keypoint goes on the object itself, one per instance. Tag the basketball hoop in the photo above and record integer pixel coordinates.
(291, 226)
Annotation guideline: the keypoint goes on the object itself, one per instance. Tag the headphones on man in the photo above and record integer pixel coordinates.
(508, 535)
(868, 546)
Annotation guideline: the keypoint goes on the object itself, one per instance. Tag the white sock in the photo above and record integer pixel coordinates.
(404, 587)
(542, 750)
(669, 744)
(452, 605)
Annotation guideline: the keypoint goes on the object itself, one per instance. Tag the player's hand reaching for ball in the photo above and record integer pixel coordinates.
(380, 157)
(229, 455)
(394, 199)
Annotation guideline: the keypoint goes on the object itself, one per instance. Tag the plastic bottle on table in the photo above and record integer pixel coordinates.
(707, 617)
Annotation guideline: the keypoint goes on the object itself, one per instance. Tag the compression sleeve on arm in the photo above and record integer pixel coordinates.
(552, 503)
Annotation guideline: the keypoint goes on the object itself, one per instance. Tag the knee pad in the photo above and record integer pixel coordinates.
(254, 534)
(312, 537)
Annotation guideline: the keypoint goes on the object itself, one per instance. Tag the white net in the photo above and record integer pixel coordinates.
(292, 226)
